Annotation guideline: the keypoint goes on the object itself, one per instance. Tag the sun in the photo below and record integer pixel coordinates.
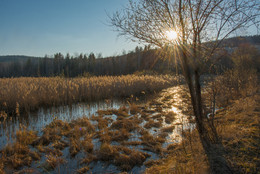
(171, 35)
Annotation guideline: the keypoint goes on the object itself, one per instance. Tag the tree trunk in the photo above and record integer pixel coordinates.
(207, 131)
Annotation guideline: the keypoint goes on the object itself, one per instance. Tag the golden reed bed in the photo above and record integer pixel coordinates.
(28, 93)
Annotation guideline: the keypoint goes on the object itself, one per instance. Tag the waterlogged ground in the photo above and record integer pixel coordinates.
(38, 120)
(112, 138)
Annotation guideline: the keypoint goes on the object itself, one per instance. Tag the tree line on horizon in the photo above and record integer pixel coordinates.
(141, 60)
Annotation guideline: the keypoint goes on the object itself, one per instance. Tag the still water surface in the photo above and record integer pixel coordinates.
(171, 100)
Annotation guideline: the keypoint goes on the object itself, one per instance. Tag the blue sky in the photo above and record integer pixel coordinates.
(39, 27)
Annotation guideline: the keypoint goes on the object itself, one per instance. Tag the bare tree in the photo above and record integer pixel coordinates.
(195, 21)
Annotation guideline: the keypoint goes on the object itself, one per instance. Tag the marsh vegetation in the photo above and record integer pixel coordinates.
(19, 95)
(124, 139)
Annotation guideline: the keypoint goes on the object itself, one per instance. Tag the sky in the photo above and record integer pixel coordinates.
(46, 27)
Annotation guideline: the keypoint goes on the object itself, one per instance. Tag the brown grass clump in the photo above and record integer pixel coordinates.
(16, 155)
(83, 170)
(152, 123)
(120, 135)
(145, 116)
(2, 166)
(88, 159)
(138, 157)
(157, 117)
(127, 124)
(123, 109)
(131, 143)
(104, 136)
(60, 144)
(25, 137)
(129, 158)
(84, 122)
(53, 161)
(107, 152)
(48, 150)
(87, 145)
(49, 135)
(74, 147)
(151, 143)
(134, 109)
(35, 155)
(168, 129)
(170, 117)
(152, 163)
(123, 161)
(123, 149)
(102, 122)
(136, 119)
(122, 112)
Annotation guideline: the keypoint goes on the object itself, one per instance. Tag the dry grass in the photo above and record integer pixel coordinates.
(107, 152)
(53, 161)
(170, 117)
(151, 123)
(238, 127)
(127, 124)
(25, 94)
(83, 170)
(134, 109)
(127, 161)
(168, 129)
(120, 135)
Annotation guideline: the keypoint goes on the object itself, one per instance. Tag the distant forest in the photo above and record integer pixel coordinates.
(141, 60)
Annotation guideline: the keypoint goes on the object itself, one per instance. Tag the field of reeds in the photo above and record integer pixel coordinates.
(26, 94)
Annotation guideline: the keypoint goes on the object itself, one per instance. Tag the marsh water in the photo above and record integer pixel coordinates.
(169, 100)
(38, 120)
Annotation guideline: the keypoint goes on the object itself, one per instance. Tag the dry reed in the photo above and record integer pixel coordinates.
(26, 93)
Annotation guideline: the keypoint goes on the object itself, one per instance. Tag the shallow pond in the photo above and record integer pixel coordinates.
(170, 103)
(38, 120)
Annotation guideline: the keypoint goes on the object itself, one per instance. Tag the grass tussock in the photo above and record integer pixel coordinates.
(134, 109)
(168, 129)
(120, 135)
(83, 170)
(53, 161)
(107, 152)
(152, 143)
(75, 147)
(127, 124)
(2, 166)
(170, 117)
(27, 93)
(87, 145)
(104, 136)
(16, 155)
(151, 123)
(88, 159)
(26, 136)
(126, 162)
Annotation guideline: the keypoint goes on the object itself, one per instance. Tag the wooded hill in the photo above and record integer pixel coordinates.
(141, 60)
